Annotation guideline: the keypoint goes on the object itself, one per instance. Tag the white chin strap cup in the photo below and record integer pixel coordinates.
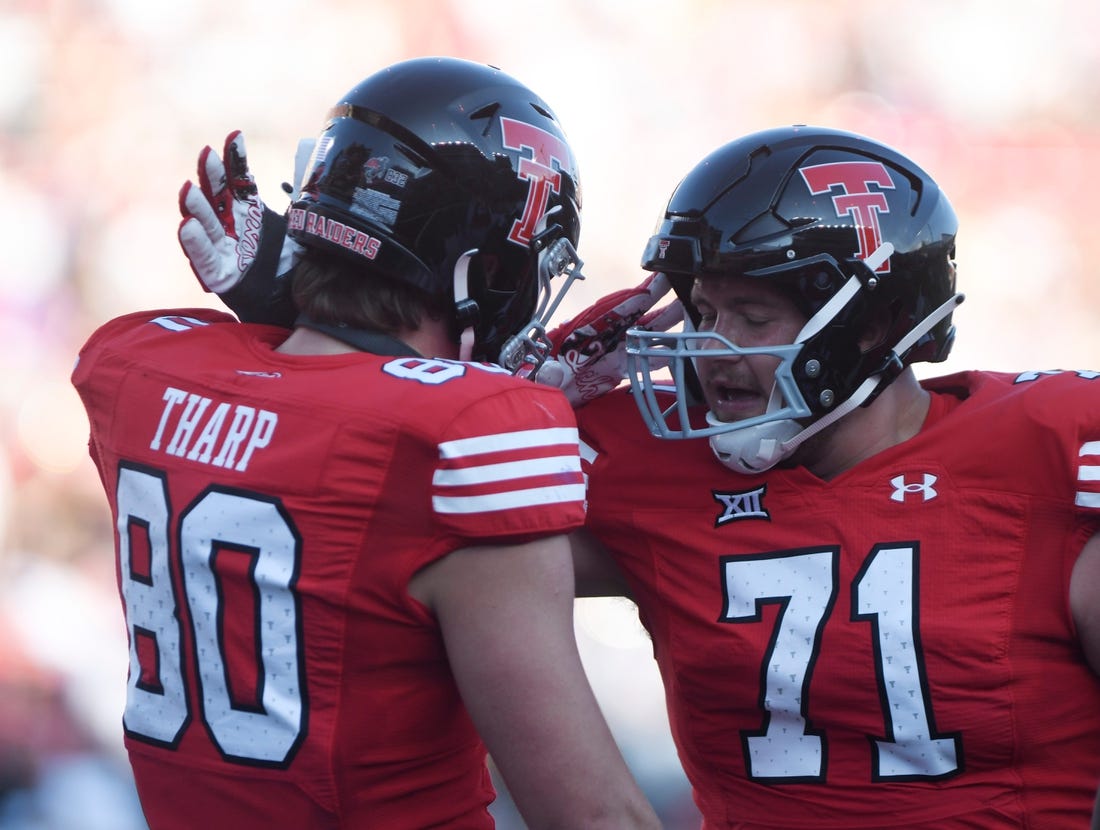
(753, 449)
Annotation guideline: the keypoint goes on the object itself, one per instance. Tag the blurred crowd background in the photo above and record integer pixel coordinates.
(105, 104)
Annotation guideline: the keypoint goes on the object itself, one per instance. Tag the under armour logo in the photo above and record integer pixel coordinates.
(902, 488)
(747, 504)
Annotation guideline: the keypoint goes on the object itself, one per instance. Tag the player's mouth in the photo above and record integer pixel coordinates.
(734, 402)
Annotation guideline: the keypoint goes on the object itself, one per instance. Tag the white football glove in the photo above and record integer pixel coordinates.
(228, 234)
(588, 349)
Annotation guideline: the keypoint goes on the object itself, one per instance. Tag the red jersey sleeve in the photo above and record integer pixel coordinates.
(509, 465)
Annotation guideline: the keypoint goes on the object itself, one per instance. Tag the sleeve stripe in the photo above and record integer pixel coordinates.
(510, 500)
(521, 439)
(507, 471)
(1088, 496)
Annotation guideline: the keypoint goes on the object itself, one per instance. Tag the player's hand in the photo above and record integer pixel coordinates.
(226, 228)
(588, 350)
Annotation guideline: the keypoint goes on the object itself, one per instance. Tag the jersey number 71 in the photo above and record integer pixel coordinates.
(884, 595)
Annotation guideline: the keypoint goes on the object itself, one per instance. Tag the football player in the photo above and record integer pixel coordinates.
(873, 599)
(342, 553)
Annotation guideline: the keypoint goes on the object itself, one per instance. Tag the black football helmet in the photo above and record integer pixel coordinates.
(845, 226)
(456, 178)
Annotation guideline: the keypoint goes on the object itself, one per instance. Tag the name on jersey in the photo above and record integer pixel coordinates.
(353, 240)
(219, 433)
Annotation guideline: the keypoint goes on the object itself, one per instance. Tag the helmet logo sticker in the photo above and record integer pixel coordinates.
(857, 199)
(374, 204)
(546, 148)
(375, 168)
(345, 236)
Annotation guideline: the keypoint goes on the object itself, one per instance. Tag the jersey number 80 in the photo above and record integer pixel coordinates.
(223, 538)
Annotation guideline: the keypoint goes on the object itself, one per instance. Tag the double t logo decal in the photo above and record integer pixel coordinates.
(546, 148)
(857, 200)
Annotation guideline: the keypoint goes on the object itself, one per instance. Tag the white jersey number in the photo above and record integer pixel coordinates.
(884, 594)
(224, 538)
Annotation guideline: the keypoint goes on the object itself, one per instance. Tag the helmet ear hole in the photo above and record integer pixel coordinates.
(878, 321)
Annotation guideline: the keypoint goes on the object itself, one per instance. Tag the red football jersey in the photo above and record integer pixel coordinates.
(270, 510)
(892, 648)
